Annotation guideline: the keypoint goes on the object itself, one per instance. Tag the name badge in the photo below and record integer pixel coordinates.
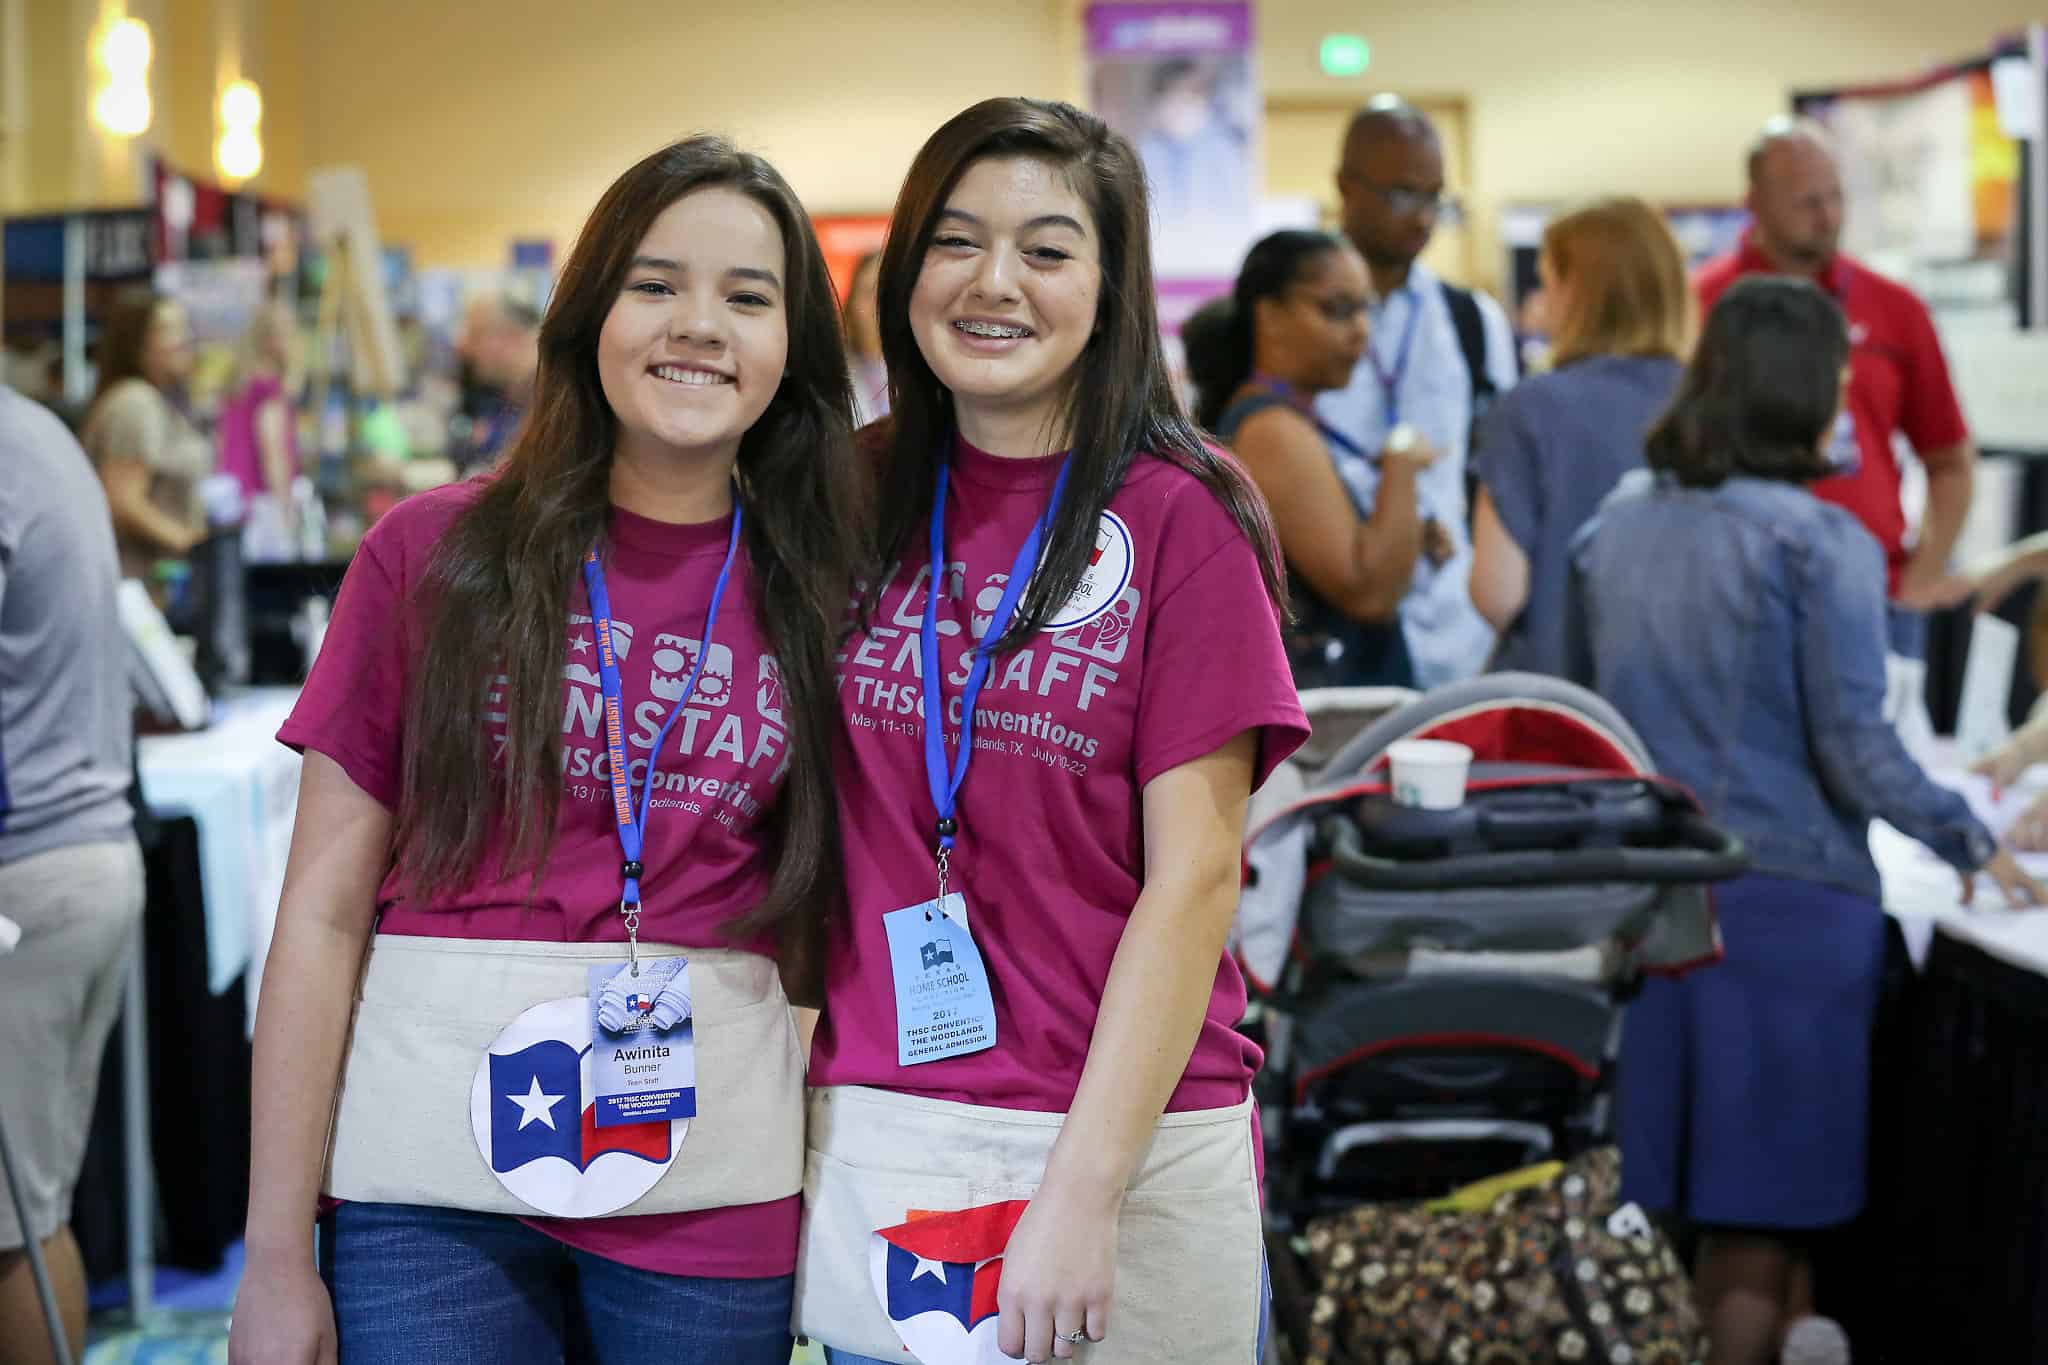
(943, 1005)
(643, 1057)
(1844, 451)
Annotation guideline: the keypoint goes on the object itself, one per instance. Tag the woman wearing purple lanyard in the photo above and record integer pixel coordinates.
(567, 754)
(1292, 327)
(1030, 1127)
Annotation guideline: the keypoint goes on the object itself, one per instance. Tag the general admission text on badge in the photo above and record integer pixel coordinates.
(943, 1004)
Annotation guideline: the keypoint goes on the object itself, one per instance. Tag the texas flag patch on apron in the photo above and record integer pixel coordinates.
(532, 1110)
(936, 1276)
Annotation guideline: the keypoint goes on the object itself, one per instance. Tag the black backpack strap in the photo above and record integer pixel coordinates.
(1470, 326)
(1471, 329)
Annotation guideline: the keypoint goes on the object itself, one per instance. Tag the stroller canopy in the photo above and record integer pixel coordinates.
(1521, 727)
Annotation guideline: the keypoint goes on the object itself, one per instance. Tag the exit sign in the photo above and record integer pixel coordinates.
(1345, 54)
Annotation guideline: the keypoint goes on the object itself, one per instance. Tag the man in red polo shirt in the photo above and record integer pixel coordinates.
(1898, 379)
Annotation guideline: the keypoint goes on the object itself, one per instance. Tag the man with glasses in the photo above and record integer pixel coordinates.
(1437, 355)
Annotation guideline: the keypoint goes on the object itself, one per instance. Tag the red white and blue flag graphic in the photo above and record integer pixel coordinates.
(531, 1108)
(936, 1276)
(537, 1111)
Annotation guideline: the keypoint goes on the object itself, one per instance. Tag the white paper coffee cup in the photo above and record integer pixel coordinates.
(1429, 773)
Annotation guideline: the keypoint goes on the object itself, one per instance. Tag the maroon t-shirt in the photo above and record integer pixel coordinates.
(1178, 653)
(705, 848)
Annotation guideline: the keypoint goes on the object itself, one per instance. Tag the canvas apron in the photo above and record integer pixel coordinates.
(1190, 1258)
(428, 1010)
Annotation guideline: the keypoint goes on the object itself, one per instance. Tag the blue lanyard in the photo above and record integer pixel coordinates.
(1390, 380)
(633, 824)
(1287, 393)
(943, 779)
(1281, 389)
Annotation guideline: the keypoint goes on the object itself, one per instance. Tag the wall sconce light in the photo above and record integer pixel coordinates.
(240, 151)
(122, 105)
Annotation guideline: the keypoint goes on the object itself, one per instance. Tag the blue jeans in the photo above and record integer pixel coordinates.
(414, 1284)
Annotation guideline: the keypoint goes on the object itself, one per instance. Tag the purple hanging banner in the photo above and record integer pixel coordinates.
(1179, 81)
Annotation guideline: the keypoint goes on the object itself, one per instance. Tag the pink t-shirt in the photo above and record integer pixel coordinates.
(706, 849)
(241, 451)
(1182, 654)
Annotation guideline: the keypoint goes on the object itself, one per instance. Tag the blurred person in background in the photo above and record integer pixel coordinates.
(1899, 384)
(864, 343)
(2006, 765)
(1992, 582)
(1438, 355)
(499, 346)
(149, 456)
(1619, 313)
(1738, 623)
(70, 871)
(259, 435)
(1294, 327)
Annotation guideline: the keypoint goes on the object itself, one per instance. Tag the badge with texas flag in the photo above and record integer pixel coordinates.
(532, 1109)
(936, 1274)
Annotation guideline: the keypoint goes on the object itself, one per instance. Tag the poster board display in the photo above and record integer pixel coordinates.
(1178, 80)
(1932, 180)
(343, 225)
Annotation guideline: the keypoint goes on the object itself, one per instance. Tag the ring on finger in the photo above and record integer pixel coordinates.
(1071, 1338)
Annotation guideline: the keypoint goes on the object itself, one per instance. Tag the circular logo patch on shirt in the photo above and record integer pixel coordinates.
(1107, 574)
(532, 1108)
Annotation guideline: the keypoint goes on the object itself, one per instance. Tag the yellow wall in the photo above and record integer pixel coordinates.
(477, 125)
(480, 124)
(60, 159)
(1572, 98)
(55, 157)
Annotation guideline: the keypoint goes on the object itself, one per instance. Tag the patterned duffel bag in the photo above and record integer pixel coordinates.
(1543, 1272)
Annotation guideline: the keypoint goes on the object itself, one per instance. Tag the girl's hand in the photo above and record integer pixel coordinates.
(1058, 1272)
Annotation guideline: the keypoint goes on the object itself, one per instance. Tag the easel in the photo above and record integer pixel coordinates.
(354, 318)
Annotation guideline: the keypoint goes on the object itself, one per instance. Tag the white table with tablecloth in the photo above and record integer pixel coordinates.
(241, 787)
(1956, 1232)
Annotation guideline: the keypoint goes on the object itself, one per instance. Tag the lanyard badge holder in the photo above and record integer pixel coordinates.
(1390, 379)
(605, 1081)
(1401, 435)
(943, 1004)
(643, 1063)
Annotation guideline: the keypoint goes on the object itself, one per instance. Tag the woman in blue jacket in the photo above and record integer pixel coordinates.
(1739, 624)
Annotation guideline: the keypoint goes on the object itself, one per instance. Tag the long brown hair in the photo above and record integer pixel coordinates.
(500, 582)
(1762, 389)
(1625, 286)
(1119, 401)
(126, 336)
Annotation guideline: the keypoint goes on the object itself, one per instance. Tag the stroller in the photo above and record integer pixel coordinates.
(1440, 992)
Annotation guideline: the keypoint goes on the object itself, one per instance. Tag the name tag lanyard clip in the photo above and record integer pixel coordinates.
(632, 823)
(941, 778)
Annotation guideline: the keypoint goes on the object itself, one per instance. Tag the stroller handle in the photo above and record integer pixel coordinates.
(1702, 853)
